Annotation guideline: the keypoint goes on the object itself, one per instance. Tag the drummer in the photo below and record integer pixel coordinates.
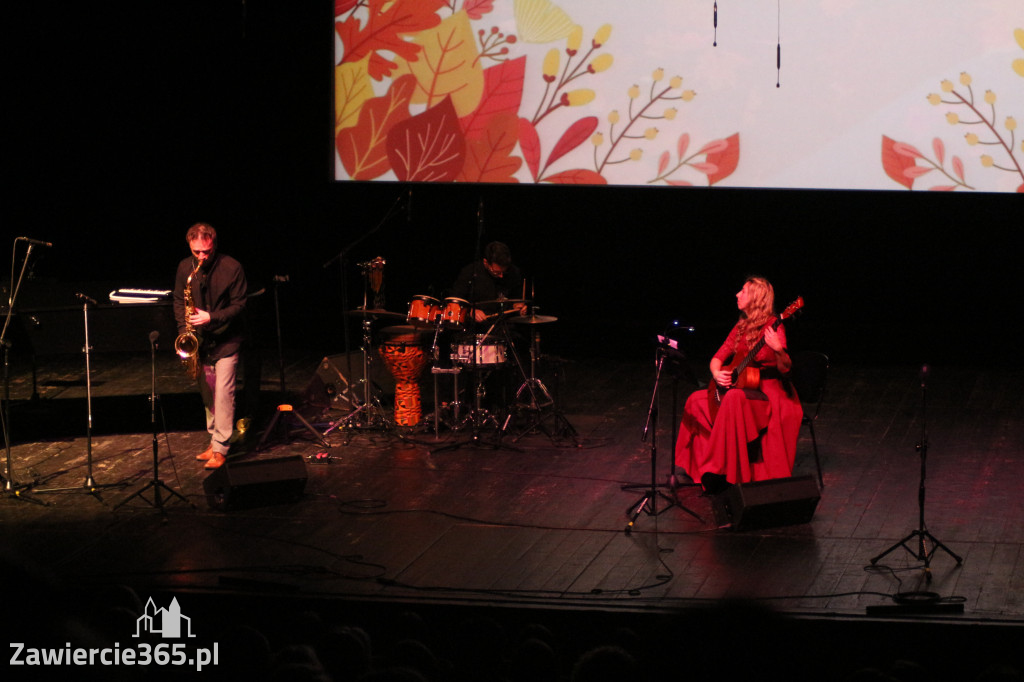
(484, 283)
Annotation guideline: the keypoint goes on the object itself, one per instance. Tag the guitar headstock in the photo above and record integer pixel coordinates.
(792, 309)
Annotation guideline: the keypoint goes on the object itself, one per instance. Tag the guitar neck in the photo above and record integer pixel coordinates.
(756, 349)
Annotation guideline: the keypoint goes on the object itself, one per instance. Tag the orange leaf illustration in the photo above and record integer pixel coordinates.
(449, 66)
(489, 154)
(362, 148)
(386, 25)
(577, 176)
(895, 163)
(726, 160)
(428, 147)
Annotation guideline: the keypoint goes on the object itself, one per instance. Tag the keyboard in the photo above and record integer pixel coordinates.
(139, 295)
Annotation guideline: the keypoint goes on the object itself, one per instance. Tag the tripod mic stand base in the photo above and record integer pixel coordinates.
(923, 554)
(157, 486)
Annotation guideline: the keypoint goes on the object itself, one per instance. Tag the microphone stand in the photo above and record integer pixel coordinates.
(921, 533)
(89, 485)
(649, 501)
(156, 484)
(10, 486)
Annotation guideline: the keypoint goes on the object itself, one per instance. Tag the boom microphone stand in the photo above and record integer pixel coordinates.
(921, 533)
(10, 486)
(156, 484)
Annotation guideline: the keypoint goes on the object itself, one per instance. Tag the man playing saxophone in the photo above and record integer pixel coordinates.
(218, 288)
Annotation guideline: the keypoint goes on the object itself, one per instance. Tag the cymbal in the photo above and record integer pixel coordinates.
(533, 319)
(373, 312)
(502, 300)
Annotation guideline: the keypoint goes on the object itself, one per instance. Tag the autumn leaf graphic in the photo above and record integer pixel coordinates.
(429, 147)
(362, 148)
(386, 27)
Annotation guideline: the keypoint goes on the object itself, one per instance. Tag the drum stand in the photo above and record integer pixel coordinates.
(479, 418)
(542, 409)
(648, 503)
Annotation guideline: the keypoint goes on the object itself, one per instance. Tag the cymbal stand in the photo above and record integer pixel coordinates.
(921, 532)
(157, 485)
(89, 485)
(10, 487)
(370, 414)
(542, 408)
(648, 503)
(437, 369)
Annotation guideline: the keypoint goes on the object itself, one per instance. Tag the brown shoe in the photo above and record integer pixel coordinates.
(216, 461)
(205, 454)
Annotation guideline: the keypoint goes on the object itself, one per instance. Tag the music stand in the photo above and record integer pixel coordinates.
(648, 502)
(921, 532)
(156, 484)
(89, 485)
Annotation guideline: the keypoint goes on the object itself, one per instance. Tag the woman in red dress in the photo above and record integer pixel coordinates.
(753, 435)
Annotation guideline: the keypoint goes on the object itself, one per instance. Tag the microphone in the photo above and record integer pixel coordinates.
(83, 297)
(153, 336)
(923, 375)
(37, 242)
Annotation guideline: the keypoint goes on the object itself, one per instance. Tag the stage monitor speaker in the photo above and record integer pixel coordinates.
(256, 483)
(765, 504)
(336, 382)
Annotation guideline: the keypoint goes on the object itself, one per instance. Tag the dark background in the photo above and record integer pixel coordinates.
(130, 121)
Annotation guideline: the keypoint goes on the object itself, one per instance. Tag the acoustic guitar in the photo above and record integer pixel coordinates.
(743, 375)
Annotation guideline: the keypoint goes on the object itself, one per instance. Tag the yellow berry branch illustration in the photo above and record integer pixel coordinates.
(986, 121)
(554, 97)
(643, 114)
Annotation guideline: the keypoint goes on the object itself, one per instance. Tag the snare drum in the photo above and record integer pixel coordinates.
(423, 310)
(455, 312)
(489, 352)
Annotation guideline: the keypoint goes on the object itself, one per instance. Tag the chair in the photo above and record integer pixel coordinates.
(810, 370)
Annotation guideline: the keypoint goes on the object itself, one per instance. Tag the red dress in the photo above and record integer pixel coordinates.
(730, 447)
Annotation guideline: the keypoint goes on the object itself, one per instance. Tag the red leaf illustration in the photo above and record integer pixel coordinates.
(577, 176)
(916, 171)
(362, 148)
(386, 25)
(529, 143)
(1020, 189)
(576, 135)
(727, 160)
(503, 93)
(904, 149)
(942, 188)
(958, 168)
(428, 147)
(939, 149)
(707, 169)
(477, 8)
(342, 6)
(895, 162)
(682, 145)
(680, 183)
(663, 162)
(489, 155)
(714, 147)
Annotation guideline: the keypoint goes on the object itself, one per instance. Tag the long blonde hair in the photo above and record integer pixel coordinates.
(760, 310)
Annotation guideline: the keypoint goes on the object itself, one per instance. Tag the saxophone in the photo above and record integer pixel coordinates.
(187, 343)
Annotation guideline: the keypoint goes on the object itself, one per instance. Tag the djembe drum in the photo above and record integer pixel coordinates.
(402, 351)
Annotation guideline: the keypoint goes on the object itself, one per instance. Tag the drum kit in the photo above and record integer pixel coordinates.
(474, 348)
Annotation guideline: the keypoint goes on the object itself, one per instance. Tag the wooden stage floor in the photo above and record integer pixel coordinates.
(396, 518)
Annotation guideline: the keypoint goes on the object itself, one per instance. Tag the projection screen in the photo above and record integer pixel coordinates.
(818, 94)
